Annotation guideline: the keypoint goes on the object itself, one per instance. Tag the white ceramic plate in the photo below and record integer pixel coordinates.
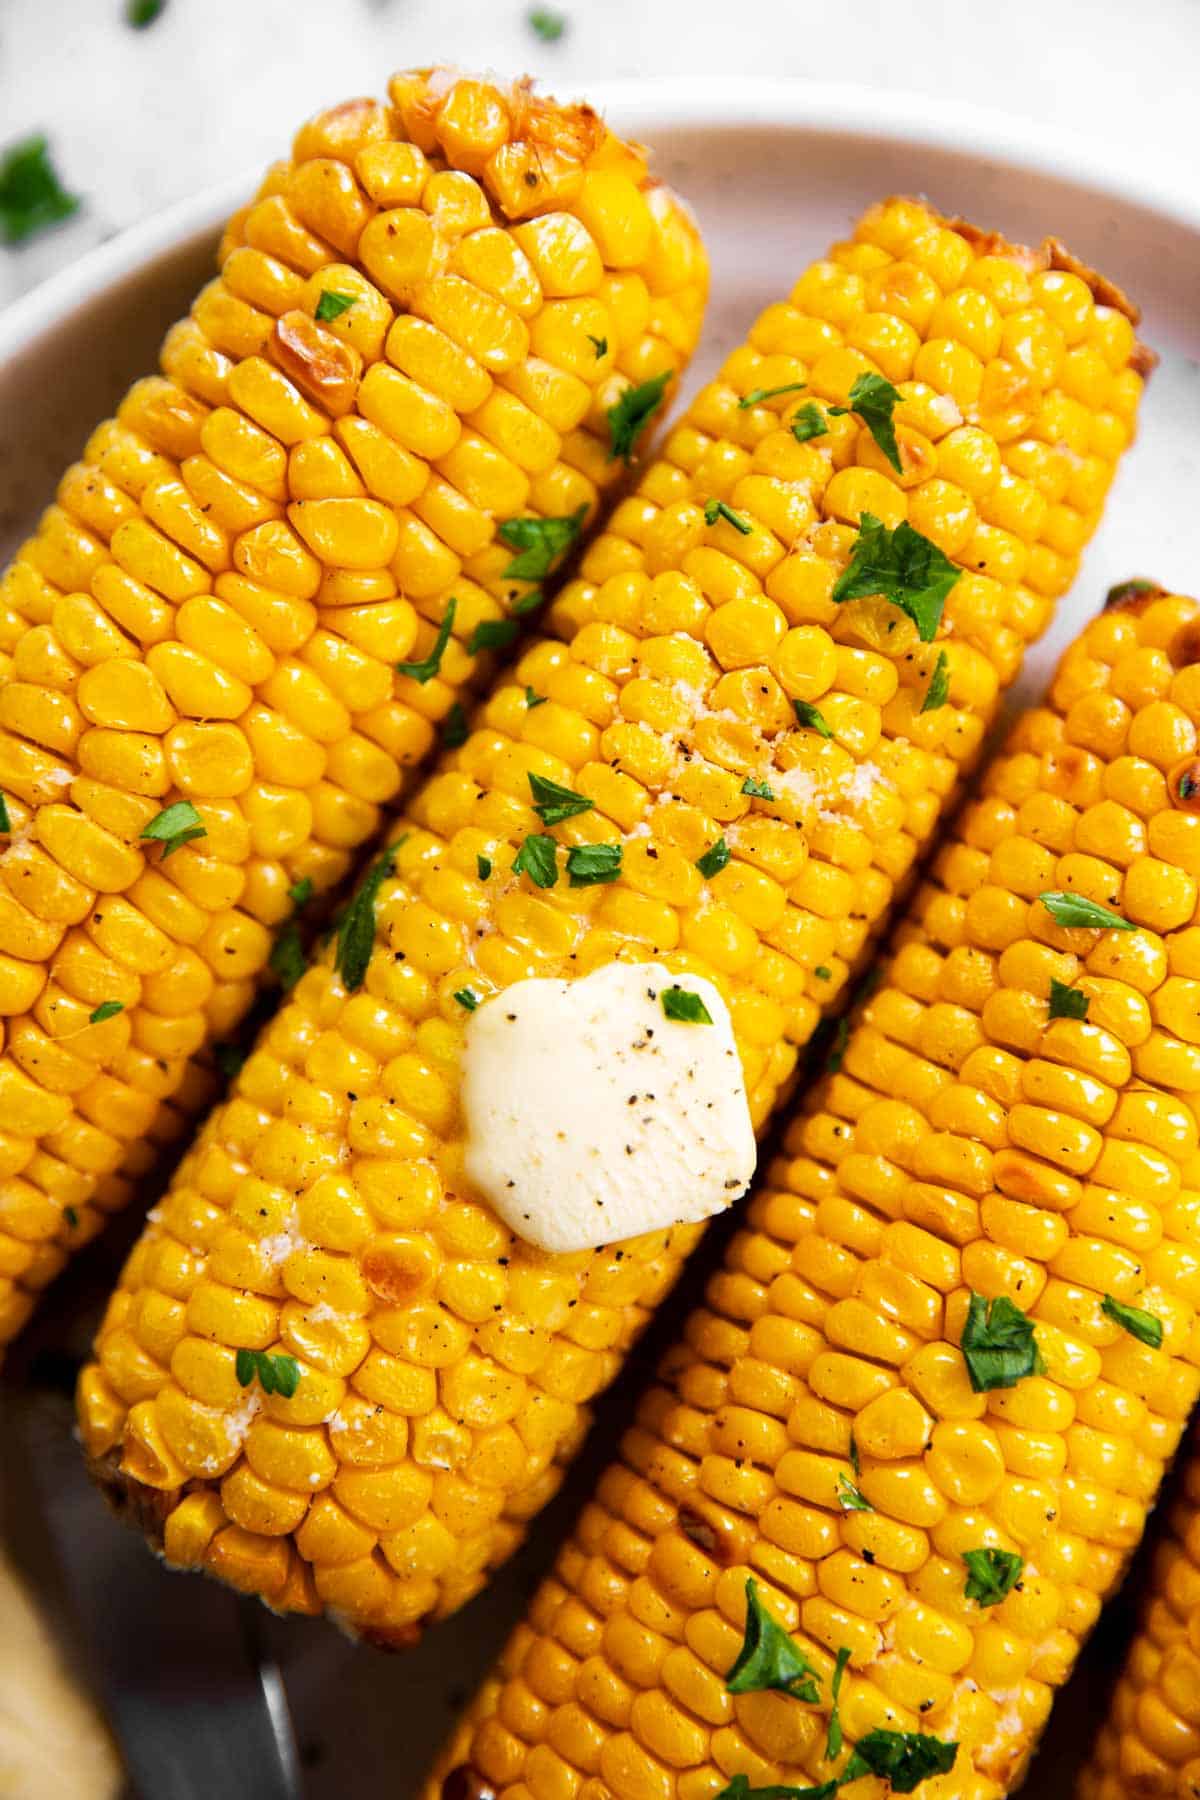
(774, 171)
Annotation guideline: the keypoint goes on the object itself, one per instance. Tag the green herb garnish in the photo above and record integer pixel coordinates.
(768, 1658)
(427, 667)
(685, 1007)
(229, 1058)
(492, 634)
(356, 932)
(301, 892)
(71, 1216)
(1066, 1002)
(287, 957)
(938, 691)
(466, 998)
(739, 1789)
(1139, 1324)
(483, 867)
(841, 1037)
(998, 1344)
(553, 803)
(590, 864)
(31, 195)
(717, 509)
(855, 1460)
(991, 1574)
(5, 821)
(756, 396)
(809, 422)
(822, 973)
(758, 790)
(849, 1497)
(174, 826)
(904, 567)
(332, 305)
(276, 1374)
(107, 1009)
(811, 717)
(874, 400)
(538, 858)
(1072, 909)
(834, 1739)
(599, 345)
(714, 859)
(628, 419)
(902, 1758)
(547, 25)
(454, 731)
(532, 699)
(539, 543)
(141, 13)
(1188, 785)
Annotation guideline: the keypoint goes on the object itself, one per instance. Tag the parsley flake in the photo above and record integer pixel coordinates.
(466, 998)
(628, 419)
(538, 858)
(356, 932)
(823, 973)
(1133, 589)
(812, 718)
(5, 821)
(301, 892)
(874, 400)
(539, 543)
(841, 1037)
(768, 1658)
(685, 1007)
(1144, 1326)
(71, 1216)
(287, 957)
(483, 867)
(553, 803)
(904, 567)
(855, 1460)
(492, 634)
(229, 1058)
(276, 1374)
(1073, 909)
(426, 667)
(1188, 785)
(107, 1009)
(739, 1789)
(547, 25)
(717, 509)
(599, 345)
(834, 1740)
(758, 790)
(938, 691)
(332, 305)
(998, 1344)
(714, 859)
(141, 13)
(174, 826)
(532, 699)
(756, 396)
(31, 195)
(902, 1758)
(454, 731)
(808, 422)
(850, 1499)
(991, 1574)
(590, 864)
(1066, 1002)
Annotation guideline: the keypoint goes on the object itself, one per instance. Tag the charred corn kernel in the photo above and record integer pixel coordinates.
(673, 686)
(212, 613)
(808, 1362)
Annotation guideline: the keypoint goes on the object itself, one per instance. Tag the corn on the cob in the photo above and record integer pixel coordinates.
(1149, 1745)
(417, 329)
(446, 1368)
(1009, 1122)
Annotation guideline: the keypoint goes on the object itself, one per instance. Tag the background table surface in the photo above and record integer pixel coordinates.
(141, 118)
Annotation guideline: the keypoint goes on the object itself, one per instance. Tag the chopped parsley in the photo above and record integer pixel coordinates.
(1139, 1324)
(739, 1789)
(539, 543)
(492, 634)
(276, 1374)
(834, 1740)
(998, 1344)
(768, 1658)
(685, 1007)
(756, 396)
(107, 1009)
(991, 1574)
(1133, 589)
(454, 731)
(547, 25)
(356, 932)
(287, 957)
(532, 699)
(812, 718)
(850, 1499)
(855, 1460)
(229, 1058)
(332, 305)
(628, 419)
(427, 666)
(1066, 1002)
(528, 603)
(590, 864)
(71, 1216)
(466, 998)
(141, 13)
(599, 345)
(809, 422)
(904, 567)
(553, 803)
(483, 867)
(31, 195)
(5, 821)
(1188, 785)
(717, 509)
(714, 859)
(841, 1037)
(538, 858)
(938, 691)
(902, 1758)
(758, 790)
(823, 973)
(1073, 909)
(301, 892)
(174, 826)
(874, 400)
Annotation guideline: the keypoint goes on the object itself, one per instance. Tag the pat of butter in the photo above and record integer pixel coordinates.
(592, 1116)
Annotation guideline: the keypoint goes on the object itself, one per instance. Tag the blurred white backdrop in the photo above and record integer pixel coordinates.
(140, 118)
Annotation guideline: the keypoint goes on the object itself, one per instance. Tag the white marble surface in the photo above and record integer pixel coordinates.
(141, 118)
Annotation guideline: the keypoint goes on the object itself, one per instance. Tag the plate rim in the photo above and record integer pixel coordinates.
(673, 102)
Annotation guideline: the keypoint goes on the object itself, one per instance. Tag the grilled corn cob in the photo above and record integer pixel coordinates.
(766, 762)
(416, 332)
(1149, 1745)
(930, 1397)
